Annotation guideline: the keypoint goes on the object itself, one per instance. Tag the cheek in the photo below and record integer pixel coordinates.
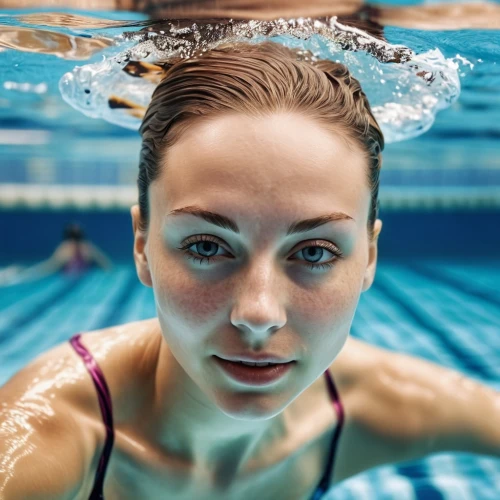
(324, 315)
(195, 302)
(333, 304)
(184, 299)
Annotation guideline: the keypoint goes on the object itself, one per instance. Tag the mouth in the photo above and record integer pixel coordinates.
(252, 374)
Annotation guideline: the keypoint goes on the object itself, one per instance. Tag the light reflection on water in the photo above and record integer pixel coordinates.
(454, 71)
(406, 89)
(408, 75)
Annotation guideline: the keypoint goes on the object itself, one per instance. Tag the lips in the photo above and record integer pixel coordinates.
(254, 375)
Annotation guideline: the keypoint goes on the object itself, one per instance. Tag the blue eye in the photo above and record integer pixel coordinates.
(209, 240)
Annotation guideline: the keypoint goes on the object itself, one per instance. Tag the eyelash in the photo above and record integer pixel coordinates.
(328, 246)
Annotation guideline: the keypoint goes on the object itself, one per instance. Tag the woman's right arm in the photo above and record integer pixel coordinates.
(47, 447)
(54, 263)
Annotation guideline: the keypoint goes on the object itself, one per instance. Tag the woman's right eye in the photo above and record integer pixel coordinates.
(207, 241)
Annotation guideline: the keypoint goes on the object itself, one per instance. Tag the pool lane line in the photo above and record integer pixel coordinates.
(33, 314)
(455, 282)
(423, 320)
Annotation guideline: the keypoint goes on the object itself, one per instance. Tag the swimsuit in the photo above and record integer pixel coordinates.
(77, 264)
(107, 416)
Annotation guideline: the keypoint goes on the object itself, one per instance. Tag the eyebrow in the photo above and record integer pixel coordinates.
(224, 222)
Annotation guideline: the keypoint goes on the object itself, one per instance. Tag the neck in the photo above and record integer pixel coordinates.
(192, 427)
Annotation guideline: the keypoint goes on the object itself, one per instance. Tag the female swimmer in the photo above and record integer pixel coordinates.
(257, 229)
(73, 257)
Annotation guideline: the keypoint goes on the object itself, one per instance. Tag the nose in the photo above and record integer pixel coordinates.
(258, 310)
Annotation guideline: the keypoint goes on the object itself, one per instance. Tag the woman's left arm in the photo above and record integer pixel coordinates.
(441, 409)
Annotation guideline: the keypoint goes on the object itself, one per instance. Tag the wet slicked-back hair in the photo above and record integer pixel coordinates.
(257, 80)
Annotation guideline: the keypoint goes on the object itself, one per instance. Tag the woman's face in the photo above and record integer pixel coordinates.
(258, 293)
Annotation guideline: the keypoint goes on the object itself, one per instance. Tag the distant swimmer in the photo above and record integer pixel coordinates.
(73, 256)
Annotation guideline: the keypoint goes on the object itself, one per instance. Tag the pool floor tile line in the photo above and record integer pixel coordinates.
(12, 295)
(400, 334)
(23, 320)
(114, 286)
(141, 307)
(43, 333)
(437, 274)
(403, 337)
(423, 320)
(122, 300)
(462, 315)
(16, 302)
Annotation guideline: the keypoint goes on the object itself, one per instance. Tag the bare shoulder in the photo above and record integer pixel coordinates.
(64, 250)
(383, 387)
(355, 365)
(61, 374)
(399, 395)
(51, 430)
(127, 356)
(378, 425)
(384, 405)
(47, 443)
(400, 407)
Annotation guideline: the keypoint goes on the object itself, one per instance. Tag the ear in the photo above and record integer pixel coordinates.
(140, 257)
(372, 257)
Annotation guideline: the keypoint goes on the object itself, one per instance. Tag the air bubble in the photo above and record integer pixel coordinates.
(401, 110)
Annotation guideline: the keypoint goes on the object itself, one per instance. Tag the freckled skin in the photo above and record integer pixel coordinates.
(265, 173)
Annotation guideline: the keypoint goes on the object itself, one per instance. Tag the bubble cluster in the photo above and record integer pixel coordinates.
(405, 89)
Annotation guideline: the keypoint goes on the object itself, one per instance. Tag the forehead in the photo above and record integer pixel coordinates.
(277, 163)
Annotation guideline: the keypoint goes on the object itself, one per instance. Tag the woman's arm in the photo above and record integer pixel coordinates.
(48, 447)
(49, 266)
(41, 455)
(446, 411)
(401, 408)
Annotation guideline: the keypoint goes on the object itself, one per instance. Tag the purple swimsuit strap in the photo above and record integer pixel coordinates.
(106, 411)
(324, 484)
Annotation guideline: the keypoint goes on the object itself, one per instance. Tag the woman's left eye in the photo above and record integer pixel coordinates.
(204, 243)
